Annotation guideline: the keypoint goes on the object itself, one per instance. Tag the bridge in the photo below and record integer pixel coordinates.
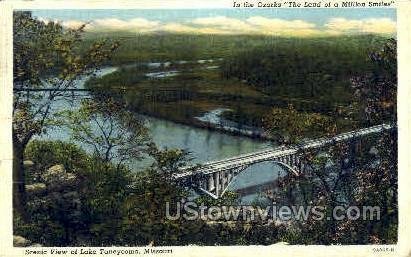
(213, 178)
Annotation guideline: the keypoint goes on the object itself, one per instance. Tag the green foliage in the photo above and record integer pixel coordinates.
(290, 126)
(42, 49)
(98, 202)
(229, 198)
(376, 90)
(49, 153)
(318, 70)
(35, 47)
(108, 206)
(119, 79)
(311, 74)
(175, 47)
(86, 212)
(105, 188)
(43, 52)
(363, 172)
(113, 134)
(46, 56)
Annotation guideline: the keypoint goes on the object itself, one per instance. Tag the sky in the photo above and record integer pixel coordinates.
(275, 21)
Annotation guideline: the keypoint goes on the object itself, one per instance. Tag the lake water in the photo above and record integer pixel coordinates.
(203, 145)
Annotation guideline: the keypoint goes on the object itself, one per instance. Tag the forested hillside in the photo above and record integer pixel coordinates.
(248, 75)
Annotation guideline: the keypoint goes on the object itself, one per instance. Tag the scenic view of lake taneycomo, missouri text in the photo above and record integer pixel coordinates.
(204, 127)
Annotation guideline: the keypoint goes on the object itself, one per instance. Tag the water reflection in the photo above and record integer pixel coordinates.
(204, 145)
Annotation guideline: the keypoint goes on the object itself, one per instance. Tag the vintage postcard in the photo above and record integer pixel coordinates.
(221, 128)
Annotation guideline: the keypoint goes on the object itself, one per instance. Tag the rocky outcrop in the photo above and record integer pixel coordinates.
(281, 243)
(36, 189)
(19, 241)
(57, 178)
(55, 191)
(28, 163)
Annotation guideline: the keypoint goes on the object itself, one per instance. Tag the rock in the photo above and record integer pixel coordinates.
(36, 188)
(55, 170)
(28, 163)
(281, 243)
(19, 241)
(56, 177)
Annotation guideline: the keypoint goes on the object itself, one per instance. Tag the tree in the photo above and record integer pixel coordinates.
(363, 173)
(318, 81)
(289, 126)
(376, 92)
(113, 134)
(46, 56)
(75, 198)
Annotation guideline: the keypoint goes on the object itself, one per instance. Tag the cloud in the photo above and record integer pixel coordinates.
(251, 25)
(279, 24)
(222, 23)
(370, 25)
(72, 24)
(178, 28)
(256, 25)
(133, 25)
(283, 27)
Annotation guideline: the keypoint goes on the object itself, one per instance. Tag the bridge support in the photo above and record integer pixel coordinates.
(217, 183)
(216, 176)
(211, 185)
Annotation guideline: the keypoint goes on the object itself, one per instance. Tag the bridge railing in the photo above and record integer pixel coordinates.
(277, 152)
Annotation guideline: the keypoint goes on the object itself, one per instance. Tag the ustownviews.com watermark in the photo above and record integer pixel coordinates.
(192, 211)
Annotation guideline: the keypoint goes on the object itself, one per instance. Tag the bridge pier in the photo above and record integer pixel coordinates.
(223, 178)
(293, 160)
(211, 185)
(227, 179)
(217, 183)
(229, 176)
(301, 166)
(216, 177)
(297, 162)
(289, 160)
(202, 183)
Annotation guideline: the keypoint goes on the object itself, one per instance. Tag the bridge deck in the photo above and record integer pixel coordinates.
(269, 154)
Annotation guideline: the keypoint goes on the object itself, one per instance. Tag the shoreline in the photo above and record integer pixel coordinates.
(208, 126)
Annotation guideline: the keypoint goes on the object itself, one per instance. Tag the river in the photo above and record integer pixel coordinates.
(203, 145)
